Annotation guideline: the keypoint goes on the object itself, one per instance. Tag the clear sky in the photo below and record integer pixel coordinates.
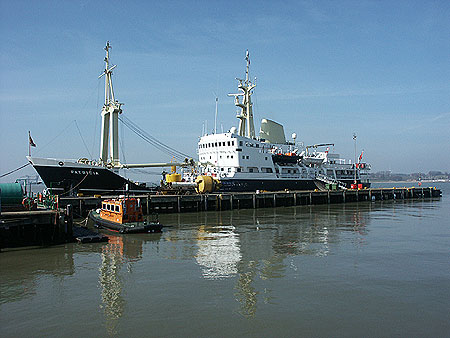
(324, 69)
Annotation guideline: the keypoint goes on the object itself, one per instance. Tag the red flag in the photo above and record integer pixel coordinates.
(32, 144)
(360, 156)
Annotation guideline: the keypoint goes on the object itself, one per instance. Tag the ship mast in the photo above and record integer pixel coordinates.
(245, 116)
(110, 118)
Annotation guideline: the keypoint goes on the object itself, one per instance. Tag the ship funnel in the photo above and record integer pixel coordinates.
(272, 132)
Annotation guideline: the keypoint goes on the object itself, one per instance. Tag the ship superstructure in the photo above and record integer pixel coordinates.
(243, 162)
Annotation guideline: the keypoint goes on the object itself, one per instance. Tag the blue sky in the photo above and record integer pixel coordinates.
(324, 69)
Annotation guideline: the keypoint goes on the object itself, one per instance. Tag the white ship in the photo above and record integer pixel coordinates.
(238, 160)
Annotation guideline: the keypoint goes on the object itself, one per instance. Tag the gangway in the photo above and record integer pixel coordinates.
(329, 180)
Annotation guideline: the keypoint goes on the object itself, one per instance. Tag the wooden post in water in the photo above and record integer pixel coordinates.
(69, 222)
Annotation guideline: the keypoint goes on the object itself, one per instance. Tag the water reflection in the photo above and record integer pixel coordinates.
(111, 282)
(20, 270)
(252, 246)
(246, 293)
(218, 251)
(246, 250)
(120, 252)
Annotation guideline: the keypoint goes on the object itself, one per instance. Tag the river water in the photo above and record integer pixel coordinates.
(371, 269)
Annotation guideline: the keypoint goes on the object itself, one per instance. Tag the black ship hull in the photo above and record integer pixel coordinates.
(70, 178)
(247, 185)
(242, 185)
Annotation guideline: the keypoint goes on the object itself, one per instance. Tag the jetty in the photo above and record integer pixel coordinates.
(160, 203)
(42, 228)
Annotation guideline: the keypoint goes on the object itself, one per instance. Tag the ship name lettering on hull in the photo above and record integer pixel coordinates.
(84, 172)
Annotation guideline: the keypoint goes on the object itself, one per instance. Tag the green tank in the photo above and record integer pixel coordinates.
(11, 194)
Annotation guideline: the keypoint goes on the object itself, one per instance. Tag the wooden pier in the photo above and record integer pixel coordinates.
(229, 201)
(36, 228)
(43, 228)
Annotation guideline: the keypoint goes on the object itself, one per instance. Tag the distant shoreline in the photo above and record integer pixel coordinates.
(422, 181)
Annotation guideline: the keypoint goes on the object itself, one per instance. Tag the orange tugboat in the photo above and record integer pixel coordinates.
(123, 215)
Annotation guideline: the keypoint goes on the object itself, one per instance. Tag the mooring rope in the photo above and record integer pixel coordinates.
(73, 188)
(13, 171)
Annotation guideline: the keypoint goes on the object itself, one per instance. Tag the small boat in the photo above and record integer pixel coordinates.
(123, 215)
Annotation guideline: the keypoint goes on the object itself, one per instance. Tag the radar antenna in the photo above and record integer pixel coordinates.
(245, 116)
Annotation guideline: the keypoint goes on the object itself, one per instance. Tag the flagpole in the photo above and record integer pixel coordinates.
(29, 143)
(354, 138)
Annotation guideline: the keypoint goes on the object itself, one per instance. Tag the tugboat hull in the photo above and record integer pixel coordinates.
(127, 228)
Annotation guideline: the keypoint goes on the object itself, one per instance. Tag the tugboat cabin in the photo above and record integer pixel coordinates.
(123, 210)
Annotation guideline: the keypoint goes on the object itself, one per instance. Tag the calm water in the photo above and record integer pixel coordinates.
(373, 269)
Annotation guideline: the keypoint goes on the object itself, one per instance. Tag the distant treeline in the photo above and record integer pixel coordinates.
(390, 176)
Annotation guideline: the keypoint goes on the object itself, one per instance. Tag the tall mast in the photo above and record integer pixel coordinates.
(215, 116)
(245, 116)
(110, 118)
